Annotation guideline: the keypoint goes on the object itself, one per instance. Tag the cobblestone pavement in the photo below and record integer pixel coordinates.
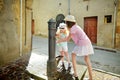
(15, 70)
(103, 76)
(98, 75)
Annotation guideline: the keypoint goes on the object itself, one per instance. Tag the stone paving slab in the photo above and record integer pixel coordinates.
(37, 65)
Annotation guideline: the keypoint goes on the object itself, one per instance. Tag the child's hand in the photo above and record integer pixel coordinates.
(56, 34)
(57, 41)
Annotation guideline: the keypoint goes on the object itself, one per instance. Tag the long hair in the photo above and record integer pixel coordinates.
(70, 24)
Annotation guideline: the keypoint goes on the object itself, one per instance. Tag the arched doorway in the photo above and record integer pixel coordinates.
(90, 28)
(59, 19)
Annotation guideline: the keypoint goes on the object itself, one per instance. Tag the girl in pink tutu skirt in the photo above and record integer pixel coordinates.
(83, 46)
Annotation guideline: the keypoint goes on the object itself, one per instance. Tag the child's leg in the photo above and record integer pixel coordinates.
(62, 54)
(74, 63)
(88, 63)
(67, 56)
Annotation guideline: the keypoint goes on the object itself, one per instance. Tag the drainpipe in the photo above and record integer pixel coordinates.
(114, 29)
(20, 27)
(69, 7)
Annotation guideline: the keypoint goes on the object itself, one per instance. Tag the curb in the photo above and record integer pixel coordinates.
(105, 49)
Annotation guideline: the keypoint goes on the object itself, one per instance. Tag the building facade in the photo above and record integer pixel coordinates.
(96, 17)
(15, 29)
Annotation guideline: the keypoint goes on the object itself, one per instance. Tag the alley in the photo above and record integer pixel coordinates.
(105, 60)
(101, 60)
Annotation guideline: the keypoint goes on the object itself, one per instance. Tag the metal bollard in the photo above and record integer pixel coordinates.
(51, 63)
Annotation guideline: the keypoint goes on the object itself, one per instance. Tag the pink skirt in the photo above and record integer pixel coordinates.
(83, 50)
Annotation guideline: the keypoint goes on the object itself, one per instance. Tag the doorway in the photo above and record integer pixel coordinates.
(59, 19)
(90, 28)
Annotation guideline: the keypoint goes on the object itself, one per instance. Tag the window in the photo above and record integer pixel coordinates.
(108, 19)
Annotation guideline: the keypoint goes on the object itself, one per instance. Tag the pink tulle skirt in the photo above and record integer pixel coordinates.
(83, 50)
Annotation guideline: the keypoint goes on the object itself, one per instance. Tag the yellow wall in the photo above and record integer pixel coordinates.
(43, 11)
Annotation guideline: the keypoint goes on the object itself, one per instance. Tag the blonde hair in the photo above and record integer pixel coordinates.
(65, 32)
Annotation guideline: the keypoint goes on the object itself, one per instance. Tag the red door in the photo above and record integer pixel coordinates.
(90, 28)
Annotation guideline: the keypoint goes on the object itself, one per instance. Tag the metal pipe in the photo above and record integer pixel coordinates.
(114, 30)
(25, 23)
(20, 27)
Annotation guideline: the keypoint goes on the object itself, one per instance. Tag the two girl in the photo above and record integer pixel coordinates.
(83, 46)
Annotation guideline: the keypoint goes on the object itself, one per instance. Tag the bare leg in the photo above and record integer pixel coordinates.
(88, 63)
(62, 53)
(67, 56)
(74, 64)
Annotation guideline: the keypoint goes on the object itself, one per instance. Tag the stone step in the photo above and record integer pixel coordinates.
(37, 67)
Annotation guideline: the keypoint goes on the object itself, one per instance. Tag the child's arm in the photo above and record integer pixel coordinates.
(57, 36)
(64, 39)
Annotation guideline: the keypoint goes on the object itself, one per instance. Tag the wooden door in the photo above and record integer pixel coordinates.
(90, 28)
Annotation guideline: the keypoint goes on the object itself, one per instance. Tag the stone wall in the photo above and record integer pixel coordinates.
(9, 45)
(10, 30)
(118, 27)
(1, 5)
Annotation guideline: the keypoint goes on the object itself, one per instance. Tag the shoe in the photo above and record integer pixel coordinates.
(63, 67)
(76, 78)
(69, 67)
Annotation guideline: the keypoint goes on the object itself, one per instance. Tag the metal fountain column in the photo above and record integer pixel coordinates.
(51, 63)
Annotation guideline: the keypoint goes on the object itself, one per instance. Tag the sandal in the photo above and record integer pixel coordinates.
(76, 78)
(69, 67)
(86, 79)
